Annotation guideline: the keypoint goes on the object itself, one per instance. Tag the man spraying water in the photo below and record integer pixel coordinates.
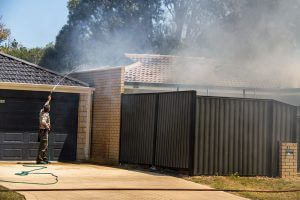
(44, 128)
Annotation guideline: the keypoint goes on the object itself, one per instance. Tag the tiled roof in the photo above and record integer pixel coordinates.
(19, 71)
(197, 70)
(148, 68)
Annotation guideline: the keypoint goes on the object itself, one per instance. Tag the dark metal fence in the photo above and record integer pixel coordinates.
(206, 135)
(283, 129)
(137, 128)
(298, 135)
(240, 135)
(158, 129)
(175, 130)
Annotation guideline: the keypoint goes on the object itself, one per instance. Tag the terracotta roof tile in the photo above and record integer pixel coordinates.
(150, 68)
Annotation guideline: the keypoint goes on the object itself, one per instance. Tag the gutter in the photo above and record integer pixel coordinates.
(46, 88)
(195, 86)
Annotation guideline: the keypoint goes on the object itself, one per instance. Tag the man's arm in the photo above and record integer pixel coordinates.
(49, 99)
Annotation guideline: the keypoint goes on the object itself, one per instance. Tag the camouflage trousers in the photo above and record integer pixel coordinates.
(43, 148)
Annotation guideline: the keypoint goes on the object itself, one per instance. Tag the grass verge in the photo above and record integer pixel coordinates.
(252, 183)
(10, 195)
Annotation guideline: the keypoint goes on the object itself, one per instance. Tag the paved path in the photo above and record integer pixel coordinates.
(91, 176)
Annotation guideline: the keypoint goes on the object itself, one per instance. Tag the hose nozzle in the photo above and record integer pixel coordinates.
(23, 173)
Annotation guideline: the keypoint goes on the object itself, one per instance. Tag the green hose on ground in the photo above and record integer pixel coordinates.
(26, 173)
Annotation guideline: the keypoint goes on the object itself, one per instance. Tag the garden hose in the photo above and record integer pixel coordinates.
(26, 173)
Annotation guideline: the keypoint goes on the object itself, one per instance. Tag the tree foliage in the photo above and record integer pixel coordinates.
(100, 32)
(4, 32)
(245, 28)
(13, 48)
(32, 55)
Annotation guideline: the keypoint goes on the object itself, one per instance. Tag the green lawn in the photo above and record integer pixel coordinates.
(253, 183)
(10, 195)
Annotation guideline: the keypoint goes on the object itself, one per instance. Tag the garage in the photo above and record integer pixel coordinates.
(24, 88)
(19, 125)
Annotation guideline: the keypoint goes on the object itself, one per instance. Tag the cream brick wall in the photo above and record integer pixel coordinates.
(108, 84)
(288, 163)
(84, 129)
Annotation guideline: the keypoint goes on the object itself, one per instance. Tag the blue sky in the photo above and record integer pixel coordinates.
(34, 23)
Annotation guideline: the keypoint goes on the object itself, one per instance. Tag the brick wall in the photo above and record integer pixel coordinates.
(84, 129)
(288, 160)
(108, 84)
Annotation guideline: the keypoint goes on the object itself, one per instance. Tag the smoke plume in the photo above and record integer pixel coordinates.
(258, 41)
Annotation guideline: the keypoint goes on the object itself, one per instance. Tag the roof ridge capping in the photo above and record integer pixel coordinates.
(104, 68)
(42, 68)
(132, 55)
(147, 55)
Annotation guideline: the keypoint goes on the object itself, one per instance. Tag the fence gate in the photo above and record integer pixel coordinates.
(158, 129)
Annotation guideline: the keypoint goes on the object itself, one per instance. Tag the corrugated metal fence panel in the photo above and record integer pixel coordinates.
(241, 135)
(298, 135)
(137, 128)
(283, 129)
(175, 129)
(256, 137)
(231, 136)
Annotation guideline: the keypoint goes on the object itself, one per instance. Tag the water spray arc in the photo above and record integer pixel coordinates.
(53, 89)
(63, 78)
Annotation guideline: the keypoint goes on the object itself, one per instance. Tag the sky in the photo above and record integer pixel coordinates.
(34, 23)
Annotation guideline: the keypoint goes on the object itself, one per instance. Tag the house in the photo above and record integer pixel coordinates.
(150, 73)
(157, 73)
(24, 88)
(86, 109)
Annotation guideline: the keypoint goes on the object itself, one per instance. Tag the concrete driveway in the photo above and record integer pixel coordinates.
(94, 176)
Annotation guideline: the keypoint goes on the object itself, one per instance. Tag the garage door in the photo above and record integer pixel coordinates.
(19, 120)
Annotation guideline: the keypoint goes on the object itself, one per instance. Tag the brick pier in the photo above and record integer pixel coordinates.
(288, 160)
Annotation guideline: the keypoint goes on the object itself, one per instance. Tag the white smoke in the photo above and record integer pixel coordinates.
(263, 45)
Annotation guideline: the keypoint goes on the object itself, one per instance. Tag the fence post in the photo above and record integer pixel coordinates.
(120, 135)
(192, 132)
(155, 128)
(288, 160)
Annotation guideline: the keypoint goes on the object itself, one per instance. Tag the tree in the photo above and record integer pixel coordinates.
(13, 48)
(32, 55)
(190, 17)
(244, 28)
(100, 32)
(4, 32)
